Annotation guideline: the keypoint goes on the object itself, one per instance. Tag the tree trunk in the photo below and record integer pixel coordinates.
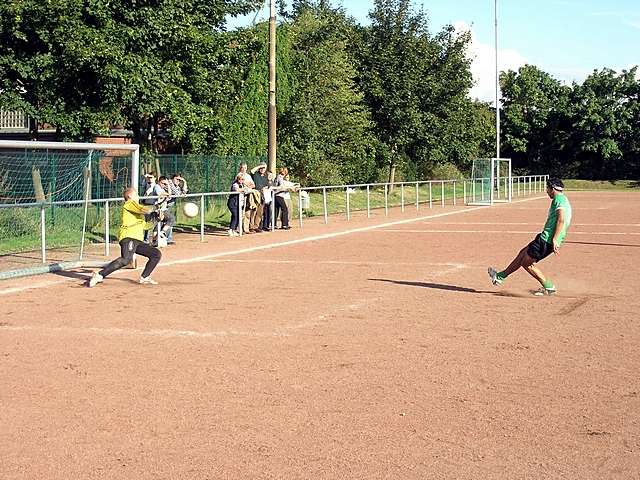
(33, 129)
(392, 167)
(37, 184)
(392, 175)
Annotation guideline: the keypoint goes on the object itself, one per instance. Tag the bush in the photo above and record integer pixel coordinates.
(16, 222)
(446, 171)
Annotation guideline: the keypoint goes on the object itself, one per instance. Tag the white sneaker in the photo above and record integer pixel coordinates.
(147, 281)
(493, 275)
(95, 279)
(162, 240)
(542, 291)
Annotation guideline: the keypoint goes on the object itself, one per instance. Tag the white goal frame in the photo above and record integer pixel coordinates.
(501, 190)
(133, 148)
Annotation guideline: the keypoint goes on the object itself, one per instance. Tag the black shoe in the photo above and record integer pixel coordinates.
(286, 228)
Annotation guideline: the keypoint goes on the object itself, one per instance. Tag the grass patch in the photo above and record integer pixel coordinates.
(597, 185)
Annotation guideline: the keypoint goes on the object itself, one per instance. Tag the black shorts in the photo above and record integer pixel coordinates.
(539, 249)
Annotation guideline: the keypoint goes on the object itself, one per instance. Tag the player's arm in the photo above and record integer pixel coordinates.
(137, 208)
(558, 229)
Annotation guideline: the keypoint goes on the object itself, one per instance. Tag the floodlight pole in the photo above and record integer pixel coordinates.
(272, 87)
(497, 82)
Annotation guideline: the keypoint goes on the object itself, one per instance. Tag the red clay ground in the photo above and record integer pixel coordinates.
(382, 353)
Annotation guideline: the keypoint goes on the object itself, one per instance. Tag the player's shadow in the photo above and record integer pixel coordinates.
(444, 286)
(604, 244)
(82, 274)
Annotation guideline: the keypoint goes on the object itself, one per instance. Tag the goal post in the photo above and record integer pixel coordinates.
(80, 146)
(49, 194)
(491, 181)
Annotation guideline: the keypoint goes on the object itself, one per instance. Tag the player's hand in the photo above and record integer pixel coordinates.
(556, 248)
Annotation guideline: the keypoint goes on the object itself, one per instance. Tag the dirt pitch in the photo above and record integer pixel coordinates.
(345, 352)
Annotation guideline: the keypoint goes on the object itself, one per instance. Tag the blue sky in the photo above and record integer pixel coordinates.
(566, 38)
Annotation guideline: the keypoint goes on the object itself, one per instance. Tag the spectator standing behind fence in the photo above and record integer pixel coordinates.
(248, 186)
(283, 197)
(267, 196)
(176, 186)
(156, 190)
(169, 219)
(260, 179)
(235, 203)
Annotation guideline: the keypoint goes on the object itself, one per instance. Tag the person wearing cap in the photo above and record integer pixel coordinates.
(546, 242)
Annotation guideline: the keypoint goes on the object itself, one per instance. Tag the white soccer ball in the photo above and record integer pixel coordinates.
(190, 209)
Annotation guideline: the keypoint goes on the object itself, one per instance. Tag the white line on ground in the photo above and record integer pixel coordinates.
(136, 332)
(538, 224)
(532, 232)
(336, 262)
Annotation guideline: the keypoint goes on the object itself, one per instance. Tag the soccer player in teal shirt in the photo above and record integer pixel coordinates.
(545, 243)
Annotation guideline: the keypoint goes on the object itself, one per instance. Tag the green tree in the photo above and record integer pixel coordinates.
(605, 120)
(85, 65)
(326, 133)
(416, 87)
(535, 121)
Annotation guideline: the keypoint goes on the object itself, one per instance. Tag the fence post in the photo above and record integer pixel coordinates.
(417, 196)
(324, 205)
(442, 193)
(368, 202)
(106, 228)
(272, 205)
(43, 241)
(348, 210)
(202, 218)
(464, 192)
(300, 207)
(430, 196)
(386, 199)
(240, 211)
(402, 197)
(454, 193)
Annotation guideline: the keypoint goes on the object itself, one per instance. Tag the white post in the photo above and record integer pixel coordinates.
(454, 193)
(324, 204)
(240, 212)
(402, 197)
(202, 218)
(442, 193)
(464, 192)
(368, 202)
(300, 207)
(135, 168)
(106, 228)
(417, 196)
(348, 210)
(272, 207)
(43, 240)
(386, 199)
(430, 196)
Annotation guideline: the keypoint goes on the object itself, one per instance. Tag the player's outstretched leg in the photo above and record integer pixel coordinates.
(498, 278)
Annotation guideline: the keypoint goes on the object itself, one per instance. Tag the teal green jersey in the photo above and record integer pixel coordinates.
(560, 201)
